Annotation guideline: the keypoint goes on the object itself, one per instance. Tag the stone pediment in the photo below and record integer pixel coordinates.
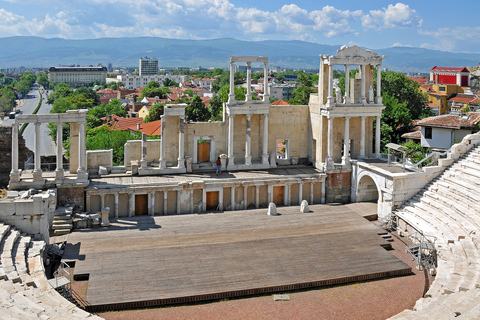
(355, 52)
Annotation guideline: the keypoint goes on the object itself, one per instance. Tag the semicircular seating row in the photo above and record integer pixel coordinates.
(449, 209)
(24, 290)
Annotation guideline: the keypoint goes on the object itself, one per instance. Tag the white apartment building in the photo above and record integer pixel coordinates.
(148, 66)
(77, 76)
(131, 81)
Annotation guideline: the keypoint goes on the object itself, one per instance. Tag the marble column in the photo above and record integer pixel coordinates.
(289, 194)
(300, 193)
(379, 83)
(14, 173)
(265, 139)
(59, 170)
(311, 191)
(330, 86)
(257, 197)
(37, 171)
(346, 143)
(377, 137)
(363, 97)
(151, 203)
(81, 171)
(165, 208)
(163, 160)
(362, 139)
(102, 201)
(231, 159)
(116, 205)
(330, 163)
(266, 94)
(232, 198)
(231, 95)
(131, 204)
(181, 144)
(347, 83)
(248, 140)
(248, 97)
(245, 200)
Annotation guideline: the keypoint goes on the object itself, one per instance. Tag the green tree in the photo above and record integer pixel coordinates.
(196, 110)
(95, 114)
(62, 90)
(102, 138)
(396, 120)
(88, 93)
(301, 95)
(156, 111)
(240, 93)
(169, 83)
(153, 89)
(216, 108)
(42, 79)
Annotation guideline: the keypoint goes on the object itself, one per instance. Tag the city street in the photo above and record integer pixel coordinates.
(27, 106)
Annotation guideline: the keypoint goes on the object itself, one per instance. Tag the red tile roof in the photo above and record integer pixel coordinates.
(433, 105)
(120, 123)
(418, 79)
(469, 120)
(280, 102)
(449, 69)
(461, 97)
(153, 128)
(412, 135)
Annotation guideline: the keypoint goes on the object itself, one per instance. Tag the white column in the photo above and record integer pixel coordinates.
(330, 86)
(347, 83)
(81, 172)
(37, 172)
(362, 139)
(102, 201)
(231, 95)
(311, 192)
(163, 160)
(377, 137)
(248, 97)
(265, 139)
(330, 144)
(245, 203)
(257, 197)
(59, 170)
(131, 204)
(151, 203)
(248, 140)
(363, 97)
(346, 143)
(181, 144)
(116, 205)
(266, 94)
(289, 194)
(232, 198)
(165, 208)
(14, 173)
(379, 83)
(191, 201)
(323, 201)
(300, 193)
(231, 159)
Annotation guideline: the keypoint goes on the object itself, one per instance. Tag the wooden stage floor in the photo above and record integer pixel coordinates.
(159, 260)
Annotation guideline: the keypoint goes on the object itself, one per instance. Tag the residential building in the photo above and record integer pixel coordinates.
(438, 95)
(77, 76)
(282, 91)
(131, 81)
(148, 66)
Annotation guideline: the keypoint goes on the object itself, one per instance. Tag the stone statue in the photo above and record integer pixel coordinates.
(370, 95)
(338, 93)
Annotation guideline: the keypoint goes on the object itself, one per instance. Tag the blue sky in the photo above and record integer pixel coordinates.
(373, 24)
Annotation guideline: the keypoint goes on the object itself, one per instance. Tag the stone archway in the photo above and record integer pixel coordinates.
(367, 190)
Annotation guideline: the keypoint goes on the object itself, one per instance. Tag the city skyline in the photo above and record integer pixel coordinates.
(371, 24)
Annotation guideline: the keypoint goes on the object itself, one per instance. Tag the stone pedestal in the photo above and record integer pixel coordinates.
(304, 207)
(223, 159)
(273, 159)
(272, 209)
(105, 221)
(188, 161)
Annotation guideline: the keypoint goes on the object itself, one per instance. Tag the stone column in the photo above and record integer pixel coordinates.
(88, 203)
(289, 193)
(248, 97)
(248, 155)
(81, 172)
(330, 143)
(37, 172)
(232, 198)
(163, 160)
(379, 83)
(102, 201)
(266, 94)
(165, 208)
(330, 86)
(311, 192)
(14, 173)
(322, 201)
(231, 95)
(131, 204)
(143, 161)
(191, 201)
(347, 83)
(245, 203)
(59, 170)
(363, 96)
(151, 203)
(116, 205)
(181, 143)
(231, 159)
(257, 197)
(178, 201)
(377, 137)
(362, 139)
(346, 143)
(265, 139)
(300, 193)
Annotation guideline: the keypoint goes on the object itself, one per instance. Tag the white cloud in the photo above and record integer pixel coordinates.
(332, 22)
(394, 16)
(452, 39)
(398, 44)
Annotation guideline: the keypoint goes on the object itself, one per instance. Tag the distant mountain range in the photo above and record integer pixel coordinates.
(41, 52)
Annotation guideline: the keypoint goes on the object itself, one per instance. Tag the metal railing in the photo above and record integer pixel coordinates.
(432, 155)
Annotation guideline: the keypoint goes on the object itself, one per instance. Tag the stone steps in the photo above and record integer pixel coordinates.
(6, 255)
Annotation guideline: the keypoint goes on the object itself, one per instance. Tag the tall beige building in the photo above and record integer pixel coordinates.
(77, 76)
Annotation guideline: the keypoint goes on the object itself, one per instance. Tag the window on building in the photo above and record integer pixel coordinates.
(428, 133)
(442, 89)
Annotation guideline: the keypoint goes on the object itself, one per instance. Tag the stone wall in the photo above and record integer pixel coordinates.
(6, 154)
(338, 186)
(72, 195)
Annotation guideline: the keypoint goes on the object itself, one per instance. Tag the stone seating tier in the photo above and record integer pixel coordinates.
(24, 290)
(448, 209)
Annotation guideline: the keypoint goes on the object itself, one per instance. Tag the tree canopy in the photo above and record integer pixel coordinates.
(196, 110)
(156, 111)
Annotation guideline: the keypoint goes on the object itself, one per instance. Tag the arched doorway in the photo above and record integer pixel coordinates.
(367, 190)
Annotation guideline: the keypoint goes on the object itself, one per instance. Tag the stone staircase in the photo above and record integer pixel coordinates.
(62, 221)
(448, 208)
(24, 289)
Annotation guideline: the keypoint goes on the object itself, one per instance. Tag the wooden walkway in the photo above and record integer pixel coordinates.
(146, 261)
